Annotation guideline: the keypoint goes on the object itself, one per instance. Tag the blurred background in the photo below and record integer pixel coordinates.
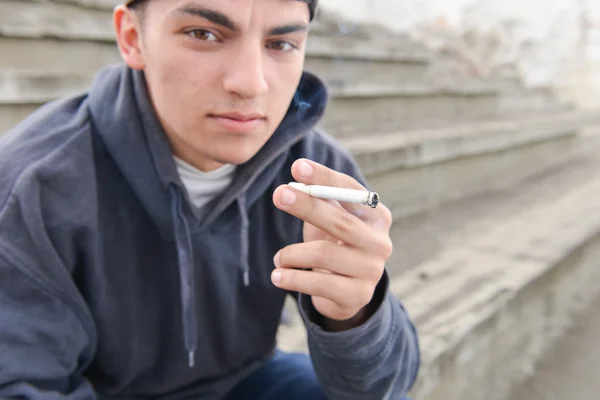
(477, 121)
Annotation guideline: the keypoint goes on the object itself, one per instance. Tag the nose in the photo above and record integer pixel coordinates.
(245, 76)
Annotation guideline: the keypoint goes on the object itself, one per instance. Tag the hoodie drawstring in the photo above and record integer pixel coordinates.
(185, 257)
(244, 246)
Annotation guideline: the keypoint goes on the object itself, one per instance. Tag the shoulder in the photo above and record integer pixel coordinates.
(322, 147)
(50, 148)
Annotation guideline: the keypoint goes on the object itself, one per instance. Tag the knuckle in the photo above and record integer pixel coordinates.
(320, 253)
(291, 279)
(284, 255)
(353, 183)
(315, 206)
(365, 294)
(345, 222)
(389, 248)
(329, 175)
(377, 271)
(388, 218)
(385, 247)
(324, 288)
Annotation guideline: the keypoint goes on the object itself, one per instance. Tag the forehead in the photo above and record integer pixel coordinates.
(241, 12)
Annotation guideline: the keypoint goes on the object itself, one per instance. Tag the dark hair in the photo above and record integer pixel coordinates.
(138, 5)
(312, 6)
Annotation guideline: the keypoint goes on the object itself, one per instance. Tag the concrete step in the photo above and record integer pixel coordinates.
(382, 152)
(420, 170)
(32, 19)
(354, 113)
(39, 87)
(420, 236)
(522, 100)
(342, 72)
(488, 310)
(513, 96)
(12, 114)
(493, 300)
(340, 47)
(56, 56)
(570, 369)
(97, 4)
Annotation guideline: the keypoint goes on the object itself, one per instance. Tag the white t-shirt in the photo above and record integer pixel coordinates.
(201, 186)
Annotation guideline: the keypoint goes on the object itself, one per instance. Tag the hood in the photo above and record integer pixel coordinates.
(124, 119)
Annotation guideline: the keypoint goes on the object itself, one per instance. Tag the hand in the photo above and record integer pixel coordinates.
(345, 246)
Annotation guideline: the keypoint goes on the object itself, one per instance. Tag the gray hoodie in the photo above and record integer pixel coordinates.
(112, 288)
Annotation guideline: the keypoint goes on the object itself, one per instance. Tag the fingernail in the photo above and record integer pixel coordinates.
(288, 197)
(276, 277)
(276, 259)
(305, 169)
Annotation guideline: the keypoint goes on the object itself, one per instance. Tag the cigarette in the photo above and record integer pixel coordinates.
(365, 197)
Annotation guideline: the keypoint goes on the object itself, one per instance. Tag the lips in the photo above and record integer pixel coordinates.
(238, 116)
(238, 122)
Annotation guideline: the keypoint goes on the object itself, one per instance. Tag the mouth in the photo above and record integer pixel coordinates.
(238, 122)
(240, 116)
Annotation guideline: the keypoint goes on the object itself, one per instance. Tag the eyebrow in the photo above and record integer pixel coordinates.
(223, 20)
(289, 28)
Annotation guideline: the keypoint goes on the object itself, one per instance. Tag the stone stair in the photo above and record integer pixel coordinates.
(489, 306)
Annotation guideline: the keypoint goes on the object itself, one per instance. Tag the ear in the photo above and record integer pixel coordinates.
(128, 31)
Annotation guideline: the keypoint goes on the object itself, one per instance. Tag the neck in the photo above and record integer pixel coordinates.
(198, 161)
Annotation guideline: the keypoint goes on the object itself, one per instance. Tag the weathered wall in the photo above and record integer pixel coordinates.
(544, 42)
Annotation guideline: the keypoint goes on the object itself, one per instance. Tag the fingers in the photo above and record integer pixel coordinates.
(311, 232)
(329, 218)
(312, 173)
(325, 255)
(346, 293)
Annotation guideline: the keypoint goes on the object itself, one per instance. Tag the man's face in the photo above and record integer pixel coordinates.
(221, 73)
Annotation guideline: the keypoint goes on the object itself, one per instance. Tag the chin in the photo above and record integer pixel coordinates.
(237, 158)
(240, 153)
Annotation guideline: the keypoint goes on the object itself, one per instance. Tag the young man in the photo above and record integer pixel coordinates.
(148, 237)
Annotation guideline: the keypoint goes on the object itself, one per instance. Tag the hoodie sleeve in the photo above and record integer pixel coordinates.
(41, 339)
(46, 336)
(376, 360)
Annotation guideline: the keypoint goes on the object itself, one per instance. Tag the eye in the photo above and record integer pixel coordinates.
(204, 35)
(282, 45)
